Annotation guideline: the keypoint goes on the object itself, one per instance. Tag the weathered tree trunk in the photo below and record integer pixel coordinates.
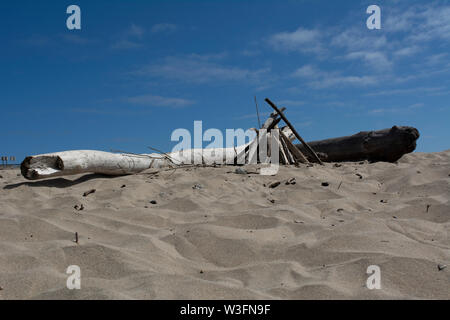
(81, 161)
(382, 145)
(86, 161)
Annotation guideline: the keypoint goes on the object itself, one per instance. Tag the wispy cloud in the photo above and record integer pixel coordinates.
(357, 39)
(407, 91)
(36, 40)
(76, 39)
(319, 79)
(291, 103)
(376, 60)
(422, 22)
(407, 51)
(130, 38)
(196, 68)
(164, 28)
(159, 101)
(383, 111)
(302, 40)
(126, 44)
(136, 31)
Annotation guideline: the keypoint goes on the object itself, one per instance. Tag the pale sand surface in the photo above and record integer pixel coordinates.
(227, 239)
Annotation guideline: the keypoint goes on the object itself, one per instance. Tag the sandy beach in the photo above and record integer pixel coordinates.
(209, 233)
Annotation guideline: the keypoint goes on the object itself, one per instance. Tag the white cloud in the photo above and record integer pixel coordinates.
(376, 60)
(130, 38)
(406, 109)
(407, 91)
(290, 103)
(407, 51)
(76, 39)
(164, 28)
(358, 39)
(136, 31)
(421, 23)
(307, 71)
(158, 101)
(437, 59)
(200, 69)
(319, 79)
(303, 40)
(126, 44)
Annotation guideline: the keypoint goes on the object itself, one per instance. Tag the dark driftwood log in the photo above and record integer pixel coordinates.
(382, 145)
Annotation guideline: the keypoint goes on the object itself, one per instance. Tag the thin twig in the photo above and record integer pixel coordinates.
(163, 153)
(257, 114)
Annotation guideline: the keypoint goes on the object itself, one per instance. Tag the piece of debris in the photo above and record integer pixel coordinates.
(79, 207)
(359, 175)
(153, 201)
(88, 192)
(394, 217)
(441, 267)
(274, 184)
(337, 165)
(272, 201)
(325, 184)
(197, 186)
(383, 201)
(291, 181)
(428, 207)
(76, 237)
(123, 186)
(201, 271)
(298, 221)
(240, 171)
(340, 209)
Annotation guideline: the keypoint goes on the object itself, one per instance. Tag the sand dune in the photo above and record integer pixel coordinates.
(231, 236)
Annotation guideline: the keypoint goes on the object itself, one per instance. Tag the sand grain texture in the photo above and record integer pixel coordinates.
(231, 237)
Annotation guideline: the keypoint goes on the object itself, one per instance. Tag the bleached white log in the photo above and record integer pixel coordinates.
(92, 161)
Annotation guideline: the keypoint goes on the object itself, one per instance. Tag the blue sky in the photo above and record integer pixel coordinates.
(137, 70)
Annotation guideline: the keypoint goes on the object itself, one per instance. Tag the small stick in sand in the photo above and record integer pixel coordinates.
(428, 207)
(88, 192)
(76, 237)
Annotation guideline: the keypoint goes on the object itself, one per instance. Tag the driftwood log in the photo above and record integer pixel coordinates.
(382, 145)
(86, 161)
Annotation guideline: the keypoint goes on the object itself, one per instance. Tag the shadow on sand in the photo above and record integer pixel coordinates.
(58, 182)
